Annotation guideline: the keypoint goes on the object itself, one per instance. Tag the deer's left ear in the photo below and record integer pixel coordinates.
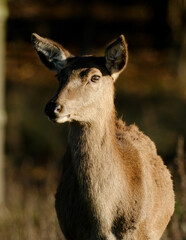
(52, 54)
(116, 56)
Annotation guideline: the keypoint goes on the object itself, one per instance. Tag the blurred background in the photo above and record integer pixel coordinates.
(151, 93)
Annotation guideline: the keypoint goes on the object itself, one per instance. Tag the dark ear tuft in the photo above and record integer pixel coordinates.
(52, 54)
(116, 56)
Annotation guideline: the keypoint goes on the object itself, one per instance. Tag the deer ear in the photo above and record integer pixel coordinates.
(116, 56)
(52, 54)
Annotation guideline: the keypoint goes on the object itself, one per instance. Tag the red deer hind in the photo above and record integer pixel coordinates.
(113, 184)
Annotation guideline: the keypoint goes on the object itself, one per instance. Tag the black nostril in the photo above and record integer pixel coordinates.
(58, 109)
(52, 109)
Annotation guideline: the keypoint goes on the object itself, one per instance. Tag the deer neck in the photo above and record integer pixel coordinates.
(93, 145)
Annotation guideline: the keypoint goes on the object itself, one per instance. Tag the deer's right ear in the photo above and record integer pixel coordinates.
(52, 54)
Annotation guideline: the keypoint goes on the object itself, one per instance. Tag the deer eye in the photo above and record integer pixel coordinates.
(95, 78)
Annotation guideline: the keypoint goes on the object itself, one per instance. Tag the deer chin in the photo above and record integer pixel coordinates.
(61, 119)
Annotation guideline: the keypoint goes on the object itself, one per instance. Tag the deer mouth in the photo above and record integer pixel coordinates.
(62, 118)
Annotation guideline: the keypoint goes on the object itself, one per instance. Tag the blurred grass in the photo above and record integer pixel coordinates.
(29, 211)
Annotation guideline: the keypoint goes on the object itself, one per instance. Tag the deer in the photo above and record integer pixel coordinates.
(113, 185)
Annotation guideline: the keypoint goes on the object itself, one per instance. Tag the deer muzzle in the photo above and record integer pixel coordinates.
(55, 112)
(53, 109)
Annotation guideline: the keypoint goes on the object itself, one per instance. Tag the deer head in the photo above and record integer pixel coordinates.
(85, 91)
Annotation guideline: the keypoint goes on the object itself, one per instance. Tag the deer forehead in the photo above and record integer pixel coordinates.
(87, 62)
(82, 68)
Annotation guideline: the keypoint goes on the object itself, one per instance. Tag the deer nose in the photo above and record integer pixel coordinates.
(52, 109)
(58, 109)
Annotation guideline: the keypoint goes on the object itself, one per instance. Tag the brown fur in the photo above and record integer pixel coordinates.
(113, 184)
